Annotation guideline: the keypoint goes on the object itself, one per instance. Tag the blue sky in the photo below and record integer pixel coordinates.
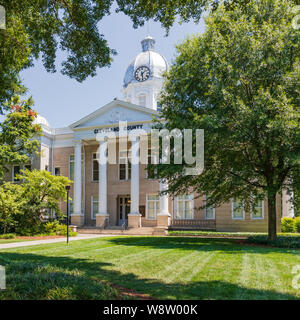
(63, 100)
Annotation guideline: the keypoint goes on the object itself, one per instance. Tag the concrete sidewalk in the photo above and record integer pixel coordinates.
(37, 242)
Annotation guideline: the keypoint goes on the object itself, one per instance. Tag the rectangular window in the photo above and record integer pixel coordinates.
(71, 207)
(95, 168)
(258, 213)
(57, 171)
(16, 171)
(238, 212)
(94, 207)
(152, 208)
(184, 207)
(71, 167)
(209, 212)
(124, 165)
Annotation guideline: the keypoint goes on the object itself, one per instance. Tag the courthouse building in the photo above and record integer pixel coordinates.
(110, 195)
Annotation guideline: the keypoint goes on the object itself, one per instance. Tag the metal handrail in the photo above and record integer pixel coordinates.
(124, 226)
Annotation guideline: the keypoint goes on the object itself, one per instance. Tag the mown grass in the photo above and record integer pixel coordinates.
(163, 267)
(3, 241)
(225, 234)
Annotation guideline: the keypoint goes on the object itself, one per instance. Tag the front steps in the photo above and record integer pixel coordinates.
(116, 230)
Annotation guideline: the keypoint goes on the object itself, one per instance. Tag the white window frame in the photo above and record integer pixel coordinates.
(13, 172)
(93, 167)
(214, 212)
(92, 207)
(71, 155)
(176, 206)
(71, 207)
(147, 201)
(126, 165)
(263, 212)
(22, 167)
(232, 210)
(59, 172)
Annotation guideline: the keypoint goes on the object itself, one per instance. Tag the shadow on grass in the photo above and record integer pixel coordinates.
(230, 246)
(31, 276)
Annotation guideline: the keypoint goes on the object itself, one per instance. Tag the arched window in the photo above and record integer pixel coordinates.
(142, 100)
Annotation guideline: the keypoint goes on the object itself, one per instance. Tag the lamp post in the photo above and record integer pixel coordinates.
(68, 218)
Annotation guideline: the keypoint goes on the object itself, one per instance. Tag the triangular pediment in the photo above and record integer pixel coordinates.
(112, 113)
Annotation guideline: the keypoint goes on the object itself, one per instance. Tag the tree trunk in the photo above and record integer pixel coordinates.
(272, 217)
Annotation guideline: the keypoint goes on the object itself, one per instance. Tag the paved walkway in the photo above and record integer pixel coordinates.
(37, 242)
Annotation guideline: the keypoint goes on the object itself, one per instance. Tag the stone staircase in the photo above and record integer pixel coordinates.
(116, 230)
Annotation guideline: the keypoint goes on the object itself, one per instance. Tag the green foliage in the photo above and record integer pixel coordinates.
(17, 134)
(37, 29)
(50, 227)
(41, 192)
(44, 281)
(297, 201)
(297, 224)
(210, 269)
(288, 225)
(7, 236)
(56, 228)
(240, 82)
(23, 206)
(10, 206)
(280, 242)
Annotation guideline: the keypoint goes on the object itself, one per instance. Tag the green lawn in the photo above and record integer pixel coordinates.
(3, 241)
(223, 234)
(163, 267)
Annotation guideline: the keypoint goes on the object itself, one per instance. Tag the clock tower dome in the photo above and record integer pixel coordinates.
(143, 78)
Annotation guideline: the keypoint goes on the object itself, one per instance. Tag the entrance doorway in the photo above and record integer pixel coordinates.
(124, 209)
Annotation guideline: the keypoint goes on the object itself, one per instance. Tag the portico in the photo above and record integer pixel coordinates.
(107, 213)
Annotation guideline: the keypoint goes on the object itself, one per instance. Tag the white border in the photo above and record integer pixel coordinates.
(92, 207)
(92, 177)
(156, 213)
(214, 211)
(176, 204)
(233, 218)
(263, 213)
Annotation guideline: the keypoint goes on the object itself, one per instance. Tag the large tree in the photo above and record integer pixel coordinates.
(39, 28)
(18, 134)
(41, 192)
(240, 82)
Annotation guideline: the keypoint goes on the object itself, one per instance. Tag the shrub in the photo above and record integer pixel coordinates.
(288, 225)
(55, 228)
(50, 228)
(41, 192)
(62, 231)
(297, 223)
(280, 242)
(7, 236)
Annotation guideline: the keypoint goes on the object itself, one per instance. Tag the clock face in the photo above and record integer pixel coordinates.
(142, 73)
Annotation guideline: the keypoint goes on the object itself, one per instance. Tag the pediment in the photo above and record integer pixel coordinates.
(114, 112)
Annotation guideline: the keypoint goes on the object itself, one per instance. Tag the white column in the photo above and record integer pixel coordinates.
(163, 199)
(103, 178)
(163, 217)
(77, 178)
(135, 179)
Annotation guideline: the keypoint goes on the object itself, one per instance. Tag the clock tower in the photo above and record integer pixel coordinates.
(143, 78)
